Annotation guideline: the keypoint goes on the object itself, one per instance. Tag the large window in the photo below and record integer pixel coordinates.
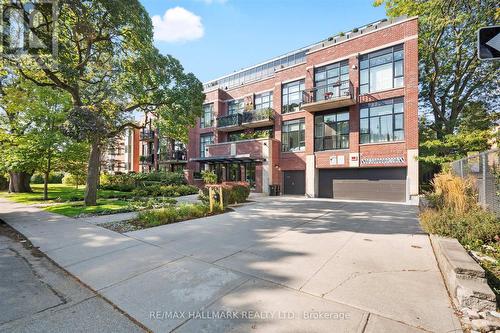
(291, 96)
(293, 135)
(264, 100)
(331, 80)
(235, 106)
(381, 70)
(207, 119)
(382, 121)
(205, 140)
(331, 131)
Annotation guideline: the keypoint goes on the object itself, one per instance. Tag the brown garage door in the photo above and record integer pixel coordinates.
(294, 182)
(384, 184)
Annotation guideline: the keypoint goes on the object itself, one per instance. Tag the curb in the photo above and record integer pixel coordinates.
(463, 276)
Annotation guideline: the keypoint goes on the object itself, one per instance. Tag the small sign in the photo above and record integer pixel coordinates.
(488, 43)
(340, 160)
(333, 160)
(383, 160)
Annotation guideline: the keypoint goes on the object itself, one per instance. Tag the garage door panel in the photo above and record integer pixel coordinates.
(383, 190)
(381, 184)
(294, 182)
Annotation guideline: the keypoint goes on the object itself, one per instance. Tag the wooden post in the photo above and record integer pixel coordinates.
(211, 196)
(221, 199)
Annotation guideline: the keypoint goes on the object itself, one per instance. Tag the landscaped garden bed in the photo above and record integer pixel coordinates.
(453, 212)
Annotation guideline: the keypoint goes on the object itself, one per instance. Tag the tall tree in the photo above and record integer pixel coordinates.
(451, 76)
(108, 65)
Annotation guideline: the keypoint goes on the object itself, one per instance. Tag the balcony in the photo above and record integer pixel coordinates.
(175, 156)
(147, 135)
(258, 118)
(229, 123)
(329, 96)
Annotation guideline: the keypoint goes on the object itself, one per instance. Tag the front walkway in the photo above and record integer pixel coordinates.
(277, 264)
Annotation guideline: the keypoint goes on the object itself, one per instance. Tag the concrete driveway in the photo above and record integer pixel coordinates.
(276, 265)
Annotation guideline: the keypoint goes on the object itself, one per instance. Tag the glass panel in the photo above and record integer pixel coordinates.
(363, 89)
(342, 116)
(320, 76)
(398, 121)
(333, 72)
(364, 76)
(381, 77)
(363, 126)
(399, 135)
(380, 110)
(398, 68)
(363, 113)
(365, 138)
(363, 64)
(398, 108)
(398, 55)
(398, 82)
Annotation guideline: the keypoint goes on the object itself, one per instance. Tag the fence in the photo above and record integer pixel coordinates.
(485, 167)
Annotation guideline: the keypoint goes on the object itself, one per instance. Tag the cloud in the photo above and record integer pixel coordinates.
(177, 25)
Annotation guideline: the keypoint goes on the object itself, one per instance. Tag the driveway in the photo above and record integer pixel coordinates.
(276, 265)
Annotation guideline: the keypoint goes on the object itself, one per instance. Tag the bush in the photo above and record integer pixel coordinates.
(162, 177)
(70, 179)
(209, 177)
(165, 190)
(54, 178)
(232, 192)
(173, 214)
(469, 227)
(453, 192)
(117, 182)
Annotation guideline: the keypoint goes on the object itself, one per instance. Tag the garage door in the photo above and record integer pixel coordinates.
(294, 182)
(387, 184)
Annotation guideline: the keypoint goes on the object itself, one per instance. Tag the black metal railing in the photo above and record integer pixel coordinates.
(258, 115)
(326, 92)
(147, 135)
(230, 120)
(173, 155)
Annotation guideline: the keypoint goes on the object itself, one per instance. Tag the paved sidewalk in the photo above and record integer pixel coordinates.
(37, 296)
(367, 267)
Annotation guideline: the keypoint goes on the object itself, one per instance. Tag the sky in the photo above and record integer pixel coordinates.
(212, 38)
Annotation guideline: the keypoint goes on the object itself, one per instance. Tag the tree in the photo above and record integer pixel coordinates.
(108, 65)
(451, 76)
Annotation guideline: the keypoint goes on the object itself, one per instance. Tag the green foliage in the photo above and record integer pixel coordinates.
(54, 178)
(455, 212)
(469, 227)
(238, 193)
(165, 190)
(166, 178)
(209, 177)
(172, 214)
(70, 179)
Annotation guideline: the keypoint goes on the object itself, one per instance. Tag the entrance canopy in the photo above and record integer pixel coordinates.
(227, 159)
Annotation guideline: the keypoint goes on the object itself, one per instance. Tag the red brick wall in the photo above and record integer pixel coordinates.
(403, 32)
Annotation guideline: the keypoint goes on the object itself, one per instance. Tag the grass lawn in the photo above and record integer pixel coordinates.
(57, 193)
(73, 209)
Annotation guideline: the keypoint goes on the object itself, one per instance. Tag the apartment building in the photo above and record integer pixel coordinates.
(336, 119)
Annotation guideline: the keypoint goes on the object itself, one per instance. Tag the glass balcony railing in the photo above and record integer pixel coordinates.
(175, 155)
(229, 121)
(258, 115)
(328, 92)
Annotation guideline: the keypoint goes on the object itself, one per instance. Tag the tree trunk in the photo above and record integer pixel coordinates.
(93, 174)
(46, 178)
(20, 182)
(46, 186)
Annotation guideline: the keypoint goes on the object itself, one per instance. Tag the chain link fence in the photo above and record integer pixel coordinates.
(485, 168)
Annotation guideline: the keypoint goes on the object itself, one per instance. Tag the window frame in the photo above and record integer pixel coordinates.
(322, 86)
(286, 135)
(394, 114)
(204, 142)
(285, 92)
(263, 105)
(203, 119)
(338, 125)
(392, 50)
(239, 106)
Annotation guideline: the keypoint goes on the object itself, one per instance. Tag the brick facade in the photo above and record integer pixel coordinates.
(402, 31)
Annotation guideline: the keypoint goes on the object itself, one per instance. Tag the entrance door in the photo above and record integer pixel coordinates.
(294, 182)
